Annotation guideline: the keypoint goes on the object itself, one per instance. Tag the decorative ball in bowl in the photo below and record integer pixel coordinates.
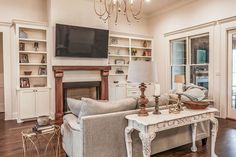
(196, 105)
(43, 120)
(27, 72)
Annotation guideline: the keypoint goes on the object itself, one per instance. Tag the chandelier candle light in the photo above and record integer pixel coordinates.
(105, 8)
(142, 72)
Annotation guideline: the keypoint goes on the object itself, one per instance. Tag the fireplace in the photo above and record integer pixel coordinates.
(59, 73)
(77, 90)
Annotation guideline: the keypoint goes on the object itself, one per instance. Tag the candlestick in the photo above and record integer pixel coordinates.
(156, 111)
(157, 90)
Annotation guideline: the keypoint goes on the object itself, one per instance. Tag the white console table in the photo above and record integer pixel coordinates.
(150, 125)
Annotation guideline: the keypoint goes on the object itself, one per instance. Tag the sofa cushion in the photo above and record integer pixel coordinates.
(74, 105)
(93, 107)
(163, 100)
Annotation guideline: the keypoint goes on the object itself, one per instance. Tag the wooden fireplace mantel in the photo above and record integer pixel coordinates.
(59, 73)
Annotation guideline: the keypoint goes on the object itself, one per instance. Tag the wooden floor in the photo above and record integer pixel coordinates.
(11, 143)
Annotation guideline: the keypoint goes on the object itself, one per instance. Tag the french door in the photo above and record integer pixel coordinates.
(232, 74)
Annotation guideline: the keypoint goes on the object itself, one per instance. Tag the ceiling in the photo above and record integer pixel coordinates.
(158, 5)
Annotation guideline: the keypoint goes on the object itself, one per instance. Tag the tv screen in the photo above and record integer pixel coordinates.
(73, 41)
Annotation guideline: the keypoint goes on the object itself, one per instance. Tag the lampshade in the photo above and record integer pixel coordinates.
(179, 79)
(142, 72)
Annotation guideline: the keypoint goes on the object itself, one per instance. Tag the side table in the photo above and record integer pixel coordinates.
(150, 125)
(38, 144)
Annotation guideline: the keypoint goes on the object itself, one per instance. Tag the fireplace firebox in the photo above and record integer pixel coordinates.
(77, 90)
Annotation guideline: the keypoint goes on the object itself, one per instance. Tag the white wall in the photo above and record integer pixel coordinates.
(194, 13)
(78, 13)
(31, 10)
(139, 28)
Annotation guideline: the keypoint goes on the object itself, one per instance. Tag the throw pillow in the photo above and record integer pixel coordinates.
(93, 107)
(74, 105)
(163, 100)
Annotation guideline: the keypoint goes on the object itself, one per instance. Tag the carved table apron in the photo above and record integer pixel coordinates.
(150, 125)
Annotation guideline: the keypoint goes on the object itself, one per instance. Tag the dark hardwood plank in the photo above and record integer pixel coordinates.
(11, 143)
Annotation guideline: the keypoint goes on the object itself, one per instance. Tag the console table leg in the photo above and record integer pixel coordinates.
(194, 134)
(128, 141)
(214, 131)
(146, 139)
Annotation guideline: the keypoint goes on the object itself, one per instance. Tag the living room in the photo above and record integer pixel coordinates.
(80, 66)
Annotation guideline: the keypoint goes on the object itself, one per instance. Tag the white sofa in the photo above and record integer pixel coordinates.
(103, 136)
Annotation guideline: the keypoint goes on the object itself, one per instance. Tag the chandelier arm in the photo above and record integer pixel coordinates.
(139, 10)
(127, 18)
(117, 7)
(99, 14)
(107, 9)
(125, 9)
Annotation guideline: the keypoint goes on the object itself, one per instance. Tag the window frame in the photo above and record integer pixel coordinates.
(189, 64)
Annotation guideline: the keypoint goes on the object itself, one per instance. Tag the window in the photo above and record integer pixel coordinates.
(190, 57)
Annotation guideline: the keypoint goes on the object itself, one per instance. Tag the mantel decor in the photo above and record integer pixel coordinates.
(59, 73)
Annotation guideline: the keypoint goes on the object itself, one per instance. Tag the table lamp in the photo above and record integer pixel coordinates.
(142, 72)
(179, 81)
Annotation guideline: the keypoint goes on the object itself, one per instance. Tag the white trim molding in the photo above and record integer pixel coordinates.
(5, 29)
(196, 27)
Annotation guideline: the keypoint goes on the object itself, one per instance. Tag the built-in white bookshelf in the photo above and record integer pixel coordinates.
(32, 49)
(123, 49)
(31, 70)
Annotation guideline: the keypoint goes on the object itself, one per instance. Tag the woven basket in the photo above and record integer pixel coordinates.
(196, 105)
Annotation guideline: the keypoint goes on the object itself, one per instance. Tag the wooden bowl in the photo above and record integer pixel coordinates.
(196, 105)
(27, 72)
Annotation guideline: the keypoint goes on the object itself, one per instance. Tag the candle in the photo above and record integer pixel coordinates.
(157, 90)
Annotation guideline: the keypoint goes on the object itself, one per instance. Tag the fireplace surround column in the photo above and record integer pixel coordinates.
(104, 85)
(58, 74)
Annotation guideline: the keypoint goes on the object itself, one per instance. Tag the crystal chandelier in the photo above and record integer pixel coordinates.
(129, 8)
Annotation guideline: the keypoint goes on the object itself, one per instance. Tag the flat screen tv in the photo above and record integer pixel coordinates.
(74, 41)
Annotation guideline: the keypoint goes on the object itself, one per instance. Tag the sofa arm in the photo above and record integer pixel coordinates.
(72, 121)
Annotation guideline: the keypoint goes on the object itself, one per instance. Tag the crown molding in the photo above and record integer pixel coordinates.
(225, 20)
(25, 22)
(204, 25)
(7, 24)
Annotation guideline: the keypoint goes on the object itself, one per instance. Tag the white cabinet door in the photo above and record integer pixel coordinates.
(112, 92)
(27, 104)
(42, 102)
(117, 91)
(120, 92)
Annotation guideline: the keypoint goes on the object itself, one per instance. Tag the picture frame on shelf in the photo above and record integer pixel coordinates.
(22, 46)
(24, 58)
(119, 61)
(24, 83)
(42, 70)
(36, 46)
